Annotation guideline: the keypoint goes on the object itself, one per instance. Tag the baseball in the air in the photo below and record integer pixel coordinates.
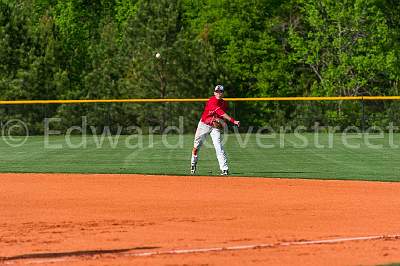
(158, 55)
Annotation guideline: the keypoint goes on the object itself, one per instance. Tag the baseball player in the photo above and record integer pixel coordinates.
(212, 122)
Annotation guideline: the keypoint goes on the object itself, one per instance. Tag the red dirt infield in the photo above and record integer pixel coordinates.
(104, 219)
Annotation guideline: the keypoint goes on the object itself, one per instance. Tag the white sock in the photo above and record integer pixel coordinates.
(194, 159)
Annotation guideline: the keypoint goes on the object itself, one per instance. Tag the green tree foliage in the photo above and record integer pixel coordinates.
(344, 46)
(30, 56)
(185, 65)
(102, 49)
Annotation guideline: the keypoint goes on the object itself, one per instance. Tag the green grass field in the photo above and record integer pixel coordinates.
(281, 159)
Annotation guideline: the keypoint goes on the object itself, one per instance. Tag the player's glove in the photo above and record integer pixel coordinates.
(218, 123)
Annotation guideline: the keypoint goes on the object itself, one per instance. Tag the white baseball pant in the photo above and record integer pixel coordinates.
(201, 133)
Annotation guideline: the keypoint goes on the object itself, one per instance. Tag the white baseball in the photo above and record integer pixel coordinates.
(158, 55)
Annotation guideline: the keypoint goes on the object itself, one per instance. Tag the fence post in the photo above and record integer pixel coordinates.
(234, 110)
(362, 115)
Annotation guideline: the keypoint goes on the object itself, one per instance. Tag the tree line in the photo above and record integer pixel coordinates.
(105, 49)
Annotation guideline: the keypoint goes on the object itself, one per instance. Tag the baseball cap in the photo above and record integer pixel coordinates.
(219, 88)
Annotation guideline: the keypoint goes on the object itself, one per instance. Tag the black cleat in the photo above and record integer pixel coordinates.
(225, 172)
(193, 169)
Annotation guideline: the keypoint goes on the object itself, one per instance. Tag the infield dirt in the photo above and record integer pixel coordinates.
(78, 219)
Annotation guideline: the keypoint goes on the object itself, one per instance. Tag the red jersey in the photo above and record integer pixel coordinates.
(214, 109)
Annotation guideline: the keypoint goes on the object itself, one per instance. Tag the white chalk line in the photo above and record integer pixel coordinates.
(256, 246)
(218, 249)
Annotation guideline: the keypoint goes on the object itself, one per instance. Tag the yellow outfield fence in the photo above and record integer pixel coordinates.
(165, 100)
(359, 111)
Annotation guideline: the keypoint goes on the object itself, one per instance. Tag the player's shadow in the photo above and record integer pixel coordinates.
(79, 253)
